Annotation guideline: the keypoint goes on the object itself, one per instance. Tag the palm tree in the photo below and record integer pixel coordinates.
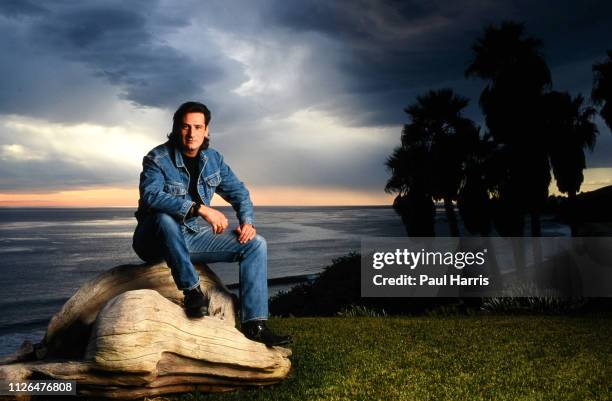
(409, 180)
(602, 88)
(572, 131)
(517, 76)
(474, 202)
(434, 147)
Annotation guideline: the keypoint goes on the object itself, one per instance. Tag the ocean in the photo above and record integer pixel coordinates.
(46, 254)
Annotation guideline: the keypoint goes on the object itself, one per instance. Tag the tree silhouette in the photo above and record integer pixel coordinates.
(429, 164)
(474, 203)
(409, 180)
(602, 88)
(571, 131)
(512, 101)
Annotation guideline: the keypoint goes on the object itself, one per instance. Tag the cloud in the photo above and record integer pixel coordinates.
(394, 50)
(302, 93)
(16, 152)
(309, 147)
(90, 56)
(38, 155)
(117, 42)
(21, 9)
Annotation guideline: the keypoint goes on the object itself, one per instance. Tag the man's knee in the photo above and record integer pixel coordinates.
(258, 242)
(150, 236)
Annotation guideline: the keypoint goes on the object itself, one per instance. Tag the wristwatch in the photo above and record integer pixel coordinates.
(195, 209)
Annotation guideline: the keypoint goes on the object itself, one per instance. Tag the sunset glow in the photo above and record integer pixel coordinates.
(262, 196)
(266, 196)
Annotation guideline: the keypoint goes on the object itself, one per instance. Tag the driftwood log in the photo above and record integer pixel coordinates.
(125, 335)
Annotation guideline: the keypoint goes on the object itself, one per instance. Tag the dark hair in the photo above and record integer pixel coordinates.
(174, 136)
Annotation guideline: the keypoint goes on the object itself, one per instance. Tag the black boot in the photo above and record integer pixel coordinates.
(195, 302)
(257, 330)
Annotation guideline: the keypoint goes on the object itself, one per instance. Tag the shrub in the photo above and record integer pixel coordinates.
(361, 311)
(338, 290)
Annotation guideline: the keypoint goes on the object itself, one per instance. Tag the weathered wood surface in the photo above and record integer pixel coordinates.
(68, 330)
(124, 335)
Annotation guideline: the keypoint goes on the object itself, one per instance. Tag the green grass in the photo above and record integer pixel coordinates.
(448, 358)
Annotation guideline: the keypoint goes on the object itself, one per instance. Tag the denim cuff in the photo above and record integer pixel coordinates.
(244, 212)
(246, 220)
(196, 285)
(185, 210)
(254, 318)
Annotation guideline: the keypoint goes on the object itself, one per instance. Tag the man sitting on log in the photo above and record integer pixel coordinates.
(177, 183)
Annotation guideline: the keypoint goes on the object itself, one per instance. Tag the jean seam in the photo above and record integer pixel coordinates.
(192, 287)
(233, 253)
(255, 318)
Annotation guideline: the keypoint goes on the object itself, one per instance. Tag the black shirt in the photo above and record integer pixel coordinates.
(193, 166)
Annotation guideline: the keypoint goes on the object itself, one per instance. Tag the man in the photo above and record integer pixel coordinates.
(177, 183)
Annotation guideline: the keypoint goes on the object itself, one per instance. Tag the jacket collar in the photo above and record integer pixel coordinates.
(178, 156)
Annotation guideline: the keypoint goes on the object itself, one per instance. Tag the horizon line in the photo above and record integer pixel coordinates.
(134, 207)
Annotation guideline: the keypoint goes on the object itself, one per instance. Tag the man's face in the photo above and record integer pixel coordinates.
(193, 133)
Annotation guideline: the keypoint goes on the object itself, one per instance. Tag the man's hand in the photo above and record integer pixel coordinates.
(246, 232)
(217, 220)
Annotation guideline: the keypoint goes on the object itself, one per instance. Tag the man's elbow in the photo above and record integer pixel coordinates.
(149, 199)
(244, 205)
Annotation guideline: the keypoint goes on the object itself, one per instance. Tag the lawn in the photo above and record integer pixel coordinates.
(442, 358)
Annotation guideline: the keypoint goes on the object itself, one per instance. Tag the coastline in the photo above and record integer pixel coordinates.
(76, 244)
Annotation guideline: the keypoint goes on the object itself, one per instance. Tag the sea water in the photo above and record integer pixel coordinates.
(46, 254)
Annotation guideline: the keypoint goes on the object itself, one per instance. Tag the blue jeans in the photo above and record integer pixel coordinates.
(160, 236)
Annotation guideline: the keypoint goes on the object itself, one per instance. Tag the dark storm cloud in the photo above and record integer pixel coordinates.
(570, 30)
(20, 8)
(118, 43)
(395, 51)
(385, 52)
(83, 56)
(354, 20)
(37, 83)
(394, 48)
(360, 62)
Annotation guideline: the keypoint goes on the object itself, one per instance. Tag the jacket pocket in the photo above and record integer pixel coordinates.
(175, 188)
(213, 180)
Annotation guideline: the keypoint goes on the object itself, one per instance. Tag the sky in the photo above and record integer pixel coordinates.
(307, 97)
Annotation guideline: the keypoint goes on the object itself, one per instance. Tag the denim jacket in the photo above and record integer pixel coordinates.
(164, 185)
